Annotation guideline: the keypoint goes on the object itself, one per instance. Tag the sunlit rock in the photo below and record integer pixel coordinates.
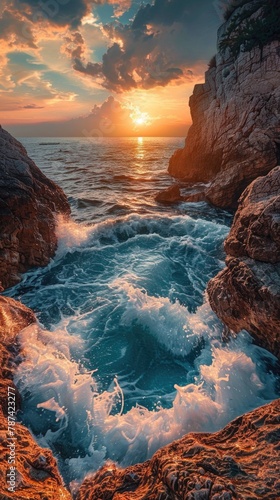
(26, 470)
(241, 461)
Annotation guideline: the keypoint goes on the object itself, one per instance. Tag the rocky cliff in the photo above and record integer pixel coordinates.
(246, 294)
(239, 462)
(29, 202)
(235, 135)
(36, 474)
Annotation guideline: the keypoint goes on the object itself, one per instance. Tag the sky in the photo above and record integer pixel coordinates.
(103, 67)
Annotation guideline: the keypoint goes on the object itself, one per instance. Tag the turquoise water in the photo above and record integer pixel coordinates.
(128, 354)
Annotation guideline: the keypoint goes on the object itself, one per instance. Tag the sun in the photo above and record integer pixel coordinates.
(140, 118)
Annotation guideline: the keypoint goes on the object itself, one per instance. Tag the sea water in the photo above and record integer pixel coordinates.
(127, 355)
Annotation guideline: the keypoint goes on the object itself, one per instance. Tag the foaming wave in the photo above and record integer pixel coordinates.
(64, 405)
(170, 323)
(71, 234)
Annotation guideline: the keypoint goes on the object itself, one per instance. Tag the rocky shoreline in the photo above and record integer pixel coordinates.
(234, 140)
(27, 471)
(242, 460)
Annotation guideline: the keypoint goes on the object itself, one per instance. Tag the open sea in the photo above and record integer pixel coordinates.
(128, 355)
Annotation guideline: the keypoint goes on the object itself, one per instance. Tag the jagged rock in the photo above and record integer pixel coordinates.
(246, 294)
(235, 135)
(28, 204)
(195, 197)
(36, 475)
(169, 195)
(255, 231)
(239, 462)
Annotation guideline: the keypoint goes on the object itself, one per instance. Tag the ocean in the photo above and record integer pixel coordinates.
(128, 355)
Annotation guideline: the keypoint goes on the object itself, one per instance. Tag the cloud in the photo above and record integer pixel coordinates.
(57, 12)
(32, 106)
(16, 31)
(157, 48)
(65, 12)
(162, 12)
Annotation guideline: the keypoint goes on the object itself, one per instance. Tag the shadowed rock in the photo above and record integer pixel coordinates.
(29, 202)
(169, 195)
(239, 462)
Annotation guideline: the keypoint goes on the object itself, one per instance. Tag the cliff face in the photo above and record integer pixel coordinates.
(28, 204)
(235, 136)
(239, 462)
(36, 475)
(246, 294)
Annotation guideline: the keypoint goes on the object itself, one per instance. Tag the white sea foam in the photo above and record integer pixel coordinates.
(229, 381)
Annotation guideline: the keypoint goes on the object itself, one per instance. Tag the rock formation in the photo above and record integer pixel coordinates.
(28, 204)
(169, 195)
(235, 135)
(239, 462)
(36, 475)
(246, 294)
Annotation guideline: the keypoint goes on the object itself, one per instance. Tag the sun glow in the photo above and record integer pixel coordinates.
(140, 118)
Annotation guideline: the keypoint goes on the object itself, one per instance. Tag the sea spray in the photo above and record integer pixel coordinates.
(64, 405)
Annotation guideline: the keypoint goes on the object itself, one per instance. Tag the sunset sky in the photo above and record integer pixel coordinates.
(101, 67)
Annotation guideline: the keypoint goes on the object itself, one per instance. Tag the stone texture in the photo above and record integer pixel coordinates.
(235, 135)
(29, 202)
(246, 294)
(239, 462)
(37, 476)
(255, 232)
(169, 195)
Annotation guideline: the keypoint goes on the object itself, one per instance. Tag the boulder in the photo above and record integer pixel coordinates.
(239, 462)
(169, 195)
(29, 203)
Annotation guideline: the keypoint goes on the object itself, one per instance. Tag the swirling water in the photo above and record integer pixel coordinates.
(128, 355)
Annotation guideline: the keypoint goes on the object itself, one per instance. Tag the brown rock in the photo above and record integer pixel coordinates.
(246, 294)
(195, 197)
(28, 204)
(255, 231)
(37, 476)
(235, 135)
(239, 462)
(169, 195)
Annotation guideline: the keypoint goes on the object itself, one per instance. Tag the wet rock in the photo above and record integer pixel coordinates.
(246, 294)
(169, 195)
(240, 461)
(29, 202)
(36, 472)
